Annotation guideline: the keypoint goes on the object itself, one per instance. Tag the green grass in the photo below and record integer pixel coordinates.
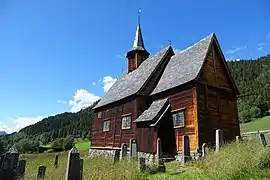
(258, 124)
(246, 160)
(82, 144)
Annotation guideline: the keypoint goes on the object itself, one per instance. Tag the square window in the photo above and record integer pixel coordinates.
(106, 125)
(178, 118)
(126, 122)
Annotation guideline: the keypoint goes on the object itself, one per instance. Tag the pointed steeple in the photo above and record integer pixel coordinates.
(138, 53)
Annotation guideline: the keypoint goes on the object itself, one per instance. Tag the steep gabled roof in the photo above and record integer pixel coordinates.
(130, 83)
(184, 66)
(153, 111)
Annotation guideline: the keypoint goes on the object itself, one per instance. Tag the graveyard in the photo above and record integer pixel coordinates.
(246, 158)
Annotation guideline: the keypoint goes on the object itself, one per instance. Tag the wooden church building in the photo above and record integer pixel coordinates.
(167, 95)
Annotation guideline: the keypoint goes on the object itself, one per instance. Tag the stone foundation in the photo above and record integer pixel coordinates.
(109, 153)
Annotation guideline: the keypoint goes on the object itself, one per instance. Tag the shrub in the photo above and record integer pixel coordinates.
(68, 143)
(58, 143)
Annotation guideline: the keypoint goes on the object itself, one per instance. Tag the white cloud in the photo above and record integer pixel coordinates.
(236, 50)
(108, 81)
(62, 102)
(94, 83)
(17, 123)
(260, 46)
(81, 100)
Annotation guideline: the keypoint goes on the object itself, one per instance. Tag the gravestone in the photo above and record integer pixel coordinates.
(20, 171)
(159, 151)
(133, 149)
(73, 165)
(238, 139)
(204, 149)
(9, 164)
(219, 139)
(141, 164)
(123, 152)
(185, 149)
(263, 140)
(56, 160)
(116, 156)
(41, 172)
(81, 168)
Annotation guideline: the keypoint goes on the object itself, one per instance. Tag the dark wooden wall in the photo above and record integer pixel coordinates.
(116, 135)
(146, 137)
(217, 105)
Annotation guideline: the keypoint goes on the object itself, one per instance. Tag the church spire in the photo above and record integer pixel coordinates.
(138, 40)
(138, 53)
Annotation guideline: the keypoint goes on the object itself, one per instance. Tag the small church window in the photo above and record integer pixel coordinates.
(106, 125)
(178, 118)
(126, 122)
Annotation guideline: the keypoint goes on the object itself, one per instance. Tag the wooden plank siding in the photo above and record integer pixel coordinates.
(116, 135)
(217, 106)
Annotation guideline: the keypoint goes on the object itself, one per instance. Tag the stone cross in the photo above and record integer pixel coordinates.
(73, 171)
(123, 152)
(133, 149)
(185, 149)
(219, 139)
(20, 171)
(263, 140)
(56, 160)
(41, 172)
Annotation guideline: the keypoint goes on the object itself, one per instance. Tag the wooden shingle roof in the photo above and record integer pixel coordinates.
(184, 66)
(130, 83)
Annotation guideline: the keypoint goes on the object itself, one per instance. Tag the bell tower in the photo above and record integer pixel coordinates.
(138, 53)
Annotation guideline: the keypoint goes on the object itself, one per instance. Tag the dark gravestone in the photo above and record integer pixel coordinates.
(116, 156)
(73, 171)
(9, 164)
(20, 171)
(142, 165)
(56, 160)
(123, 152)
(263, 140)
(81, 168)
(185, 149)
(41, 172)
(133, 149)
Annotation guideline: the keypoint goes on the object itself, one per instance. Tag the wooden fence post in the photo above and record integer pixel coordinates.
(41, 172)
(73, 171)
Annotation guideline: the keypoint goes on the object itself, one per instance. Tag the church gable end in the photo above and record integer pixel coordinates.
(214, 71)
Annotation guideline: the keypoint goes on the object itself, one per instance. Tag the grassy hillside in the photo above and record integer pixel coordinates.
(259, 124)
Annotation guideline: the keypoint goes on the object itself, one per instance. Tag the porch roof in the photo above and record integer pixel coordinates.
(155, 110)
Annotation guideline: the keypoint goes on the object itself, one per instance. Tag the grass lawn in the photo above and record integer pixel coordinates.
(83, 145)
(258, 124)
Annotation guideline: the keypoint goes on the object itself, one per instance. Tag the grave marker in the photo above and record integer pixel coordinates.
(41, 172)
(219, 139)
(185, 149)
(133, 149)
(73, 171)
(20, 171)
(123, 152)
(263, 140)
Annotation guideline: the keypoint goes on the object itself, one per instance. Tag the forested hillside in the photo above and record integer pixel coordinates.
(252, 78)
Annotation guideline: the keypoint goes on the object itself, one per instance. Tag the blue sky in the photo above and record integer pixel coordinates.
(60, 55)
